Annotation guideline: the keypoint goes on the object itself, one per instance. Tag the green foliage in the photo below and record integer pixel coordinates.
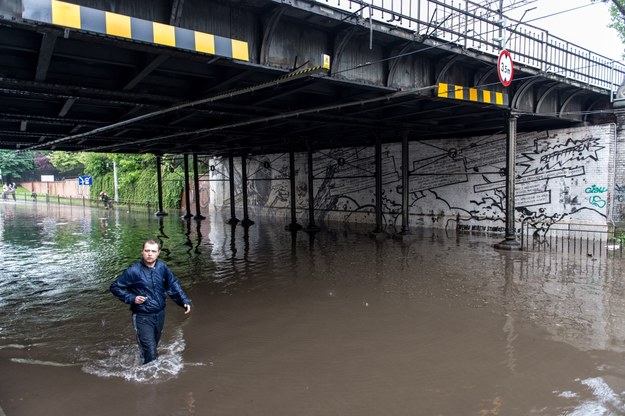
(98, 164)
(15, 165)
(134, 162)
(137, 180)
(66, 162)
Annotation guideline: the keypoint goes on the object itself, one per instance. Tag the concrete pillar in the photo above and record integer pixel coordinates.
(510, 242)
(617, 201)
(246, 219)
(187, 199)
(196, 184)
(233, 218)
(159, 185)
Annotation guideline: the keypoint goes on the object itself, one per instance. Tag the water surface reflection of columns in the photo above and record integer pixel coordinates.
(246, 219)
(187, 199)
(159, 185)
(510, 242)
(312, 227)
(293, 226)
(196, 184)
(233, 218)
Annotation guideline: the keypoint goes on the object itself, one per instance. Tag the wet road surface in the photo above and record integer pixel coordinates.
(338, 324)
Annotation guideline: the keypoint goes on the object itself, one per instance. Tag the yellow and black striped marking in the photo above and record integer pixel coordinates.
(92, 20)
(458, 92)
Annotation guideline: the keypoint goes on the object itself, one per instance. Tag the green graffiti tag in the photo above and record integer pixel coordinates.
(595, 190)
(597, 201)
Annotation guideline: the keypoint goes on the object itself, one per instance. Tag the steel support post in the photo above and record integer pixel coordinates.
(246, 218)
(293, 226)
(187, 199)
(405, 184)
(312, 227)
(233, 218)
(196, 185)
(510, 242)
(379, 229)
(159, 185)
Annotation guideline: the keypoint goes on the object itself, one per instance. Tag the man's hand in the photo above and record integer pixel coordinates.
(140, 299)
(187, 308)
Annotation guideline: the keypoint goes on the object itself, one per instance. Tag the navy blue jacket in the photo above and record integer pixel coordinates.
(154, 283)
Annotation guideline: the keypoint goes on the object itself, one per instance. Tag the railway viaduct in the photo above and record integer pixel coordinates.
(237, 78)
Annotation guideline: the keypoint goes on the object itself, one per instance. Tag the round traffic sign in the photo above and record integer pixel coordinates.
(505, 68)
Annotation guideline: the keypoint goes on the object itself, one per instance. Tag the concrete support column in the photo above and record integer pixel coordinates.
(196, 184)
(293, 226)
(617, 205)
(233, 218)
(159, 185)
(311, 194)
(187, 199)
(246, 218)
(510, 242)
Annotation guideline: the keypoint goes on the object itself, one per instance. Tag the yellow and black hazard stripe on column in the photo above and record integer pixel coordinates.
(458, 92)
(99, 21)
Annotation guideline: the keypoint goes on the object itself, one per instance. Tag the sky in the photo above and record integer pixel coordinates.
(585, 26)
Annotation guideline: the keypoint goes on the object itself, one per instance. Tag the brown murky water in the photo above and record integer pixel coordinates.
(288, 325)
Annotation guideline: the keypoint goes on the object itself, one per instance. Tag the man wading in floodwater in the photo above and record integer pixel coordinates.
(143, 285)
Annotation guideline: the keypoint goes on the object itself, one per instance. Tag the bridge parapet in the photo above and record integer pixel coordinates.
(477, 27)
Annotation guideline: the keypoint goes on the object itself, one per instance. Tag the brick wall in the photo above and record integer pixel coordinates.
(66, 189)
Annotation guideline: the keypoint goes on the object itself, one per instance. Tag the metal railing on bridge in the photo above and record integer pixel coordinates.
(478, 27)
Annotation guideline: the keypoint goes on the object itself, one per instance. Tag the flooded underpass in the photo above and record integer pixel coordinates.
(284, 324)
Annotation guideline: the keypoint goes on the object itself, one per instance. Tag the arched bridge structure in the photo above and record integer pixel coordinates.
(217, 76)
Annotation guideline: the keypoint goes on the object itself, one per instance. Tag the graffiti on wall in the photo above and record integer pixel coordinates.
(561, 175)
(556, 176)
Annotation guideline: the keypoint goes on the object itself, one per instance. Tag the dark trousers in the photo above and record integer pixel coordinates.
(148, 328)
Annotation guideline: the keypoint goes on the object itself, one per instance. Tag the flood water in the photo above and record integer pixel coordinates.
(286, 324)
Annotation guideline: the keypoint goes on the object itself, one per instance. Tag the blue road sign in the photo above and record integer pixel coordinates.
(85, 180)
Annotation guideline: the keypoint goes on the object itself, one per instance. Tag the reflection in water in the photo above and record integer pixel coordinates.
(187, 233)
(162, 236)
(347, 300)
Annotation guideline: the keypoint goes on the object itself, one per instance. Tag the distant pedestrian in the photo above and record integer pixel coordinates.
(5, 191)
(12, 188)
(106, 200)
(144, 285)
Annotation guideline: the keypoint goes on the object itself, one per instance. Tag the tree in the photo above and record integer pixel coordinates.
(68, 162)
(98, 164)
(617, 14)
(15, 165)
(43, 164)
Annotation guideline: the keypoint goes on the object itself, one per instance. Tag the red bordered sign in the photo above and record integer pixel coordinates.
(505, 68)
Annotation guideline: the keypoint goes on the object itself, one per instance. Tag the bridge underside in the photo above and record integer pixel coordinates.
(72, 89)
